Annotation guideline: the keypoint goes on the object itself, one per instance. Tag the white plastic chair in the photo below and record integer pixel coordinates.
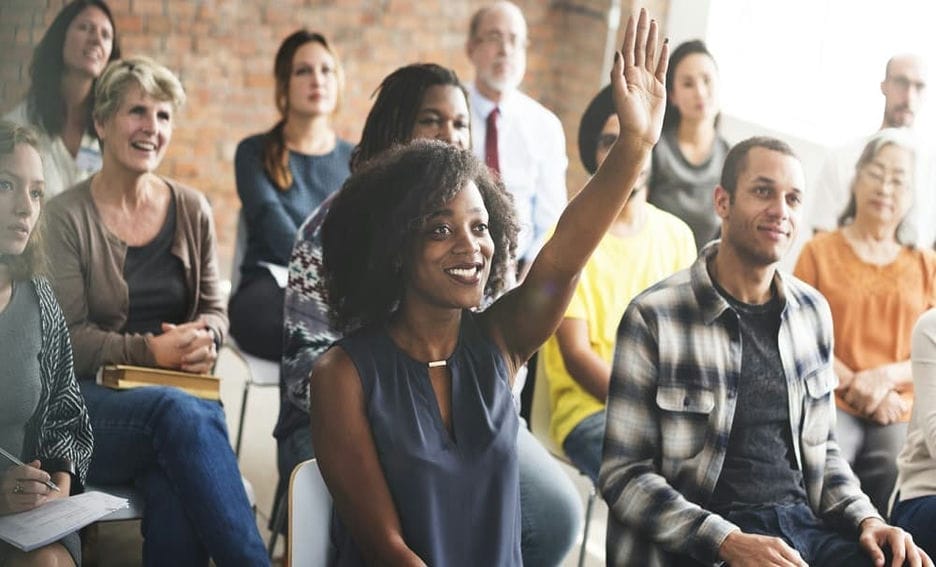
(540, 416)
(310, 512)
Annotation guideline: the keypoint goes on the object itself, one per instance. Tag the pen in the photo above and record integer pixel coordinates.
(16, 461)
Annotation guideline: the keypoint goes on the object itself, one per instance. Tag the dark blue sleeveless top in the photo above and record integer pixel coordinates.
(458, 496)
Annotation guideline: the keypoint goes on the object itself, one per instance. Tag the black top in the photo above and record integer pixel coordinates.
(760, 465)
(155, 281)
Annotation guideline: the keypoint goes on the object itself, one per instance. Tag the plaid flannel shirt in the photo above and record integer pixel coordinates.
(670, 408)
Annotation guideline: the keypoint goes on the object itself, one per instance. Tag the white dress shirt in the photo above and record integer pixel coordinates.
(532, 154)
(60, 168)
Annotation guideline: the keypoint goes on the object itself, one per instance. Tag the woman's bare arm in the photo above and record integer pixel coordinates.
(347, 457)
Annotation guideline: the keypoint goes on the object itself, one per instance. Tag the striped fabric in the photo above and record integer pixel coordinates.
(670, 409)
(59, 433)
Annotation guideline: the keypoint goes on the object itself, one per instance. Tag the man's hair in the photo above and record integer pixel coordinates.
(154, 79)
(380, 213)
(32, 261)
(400, 95)
(44, 101)
(736, 160)
(479, 14)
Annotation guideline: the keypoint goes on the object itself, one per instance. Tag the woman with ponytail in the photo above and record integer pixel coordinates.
(282, 176)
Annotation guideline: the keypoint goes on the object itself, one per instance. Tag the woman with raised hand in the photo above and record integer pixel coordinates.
(66, 62)
(282, 176)
(134, 266)
(413, 421)
(44, 421)
(418, 101)
(687, 162)
(877, 284)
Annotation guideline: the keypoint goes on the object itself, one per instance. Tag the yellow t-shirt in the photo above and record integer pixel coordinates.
(619, 269)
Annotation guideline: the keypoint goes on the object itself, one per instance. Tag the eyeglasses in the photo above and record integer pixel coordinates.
(895, 179)
(509, 40)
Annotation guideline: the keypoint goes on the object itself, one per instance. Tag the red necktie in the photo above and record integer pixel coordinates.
(491, 157)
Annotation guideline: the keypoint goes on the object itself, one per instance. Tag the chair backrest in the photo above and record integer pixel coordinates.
(310, 510)
(541, 411)
(240, 248)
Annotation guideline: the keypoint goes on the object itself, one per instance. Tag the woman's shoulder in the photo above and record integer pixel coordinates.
(253, 143)
(72, 202)
(187, 195)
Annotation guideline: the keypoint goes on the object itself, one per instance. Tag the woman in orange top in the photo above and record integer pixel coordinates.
(877, 285)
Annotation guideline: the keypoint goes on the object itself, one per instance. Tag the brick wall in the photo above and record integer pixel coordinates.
(223, 51)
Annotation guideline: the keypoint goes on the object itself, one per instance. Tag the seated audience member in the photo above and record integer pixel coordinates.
(643, 246)
(877, 285)
(719, 444)
(688, 159)
(413, 420)
(904, 90)
(133, 260)
(414, 102)
(915, 502)
(65, 64)
(282, 176)
(44, 421)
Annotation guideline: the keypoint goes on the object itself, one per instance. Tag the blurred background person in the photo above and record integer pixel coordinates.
(66, 62)
(688, 159)
(877, 284)
(134, 267)
(282, 176)
(915, 498)
(652, 244)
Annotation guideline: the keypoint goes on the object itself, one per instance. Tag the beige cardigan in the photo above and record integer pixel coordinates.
(86, 264)
(916, 463)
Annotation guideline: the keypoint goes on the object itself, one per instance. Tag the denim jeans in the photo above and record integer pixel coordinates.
(818, 544)
(918, 516)
(583, 445)
(175, 449)
(550, 507)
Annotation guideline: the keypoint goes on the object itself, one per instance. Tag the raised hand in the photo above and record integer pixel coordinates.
(638, 79)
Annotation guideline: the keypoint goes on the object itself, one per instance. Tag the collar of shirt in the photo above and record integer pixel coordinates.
(482, 106)
(712, 304)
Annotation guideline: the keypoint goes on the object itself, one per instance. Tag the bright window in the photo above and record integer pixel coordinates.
(812, 68)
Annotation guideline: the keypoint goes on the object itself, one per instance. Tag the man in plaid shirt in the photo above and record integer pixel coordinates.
(704, 463)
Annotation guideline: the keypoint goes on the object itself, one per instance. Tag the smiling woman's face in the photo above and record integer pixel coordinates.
(138, 133)
(89, 41)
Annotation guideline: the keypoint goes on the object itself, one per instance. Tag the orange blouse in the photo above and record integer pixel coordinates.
(873, 307)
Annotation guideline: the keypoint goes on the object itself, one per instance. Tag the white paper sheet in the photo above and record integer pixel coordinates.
(49, 522)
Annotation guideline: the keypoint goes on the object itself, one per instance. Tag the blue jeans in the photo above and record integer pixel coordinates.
(550, 507)
(583, 445)
(174, 447)
(918, 516)
(818, 544)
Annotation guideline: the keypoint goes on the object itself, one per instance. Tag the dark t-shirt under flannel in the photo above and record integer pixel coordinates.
(760, 465)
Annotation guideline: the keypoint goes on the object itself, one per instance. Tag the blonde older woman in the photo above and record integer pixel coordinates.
(133, 260)
(877, 285)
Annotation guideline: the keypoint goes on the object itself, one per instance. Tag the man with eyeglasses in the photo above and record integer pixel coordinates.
(515, 135)
(904, 90)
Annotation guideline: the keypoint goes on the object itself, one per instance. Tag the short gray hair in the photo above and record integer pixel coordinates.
(156, 81)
